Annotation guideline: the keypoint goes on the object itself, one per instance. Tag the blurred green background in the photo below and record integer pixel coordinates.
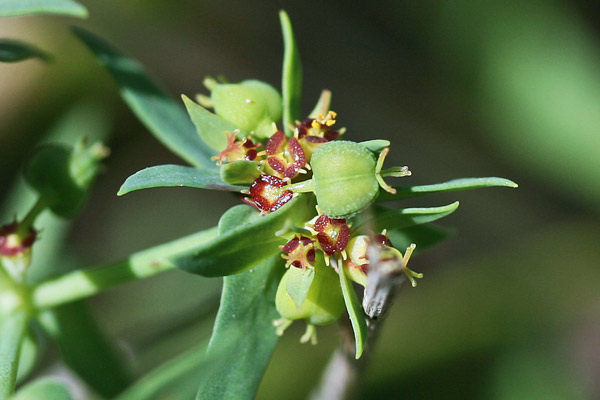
(509, 307)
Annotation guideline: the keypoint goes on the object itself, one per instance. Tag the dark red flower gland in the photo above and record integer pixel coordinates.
(300, 252)
(382, 240)
(312, 133)
(269, 194)
(285, 157)
(11, 244)
(332, 234)
(237, 150)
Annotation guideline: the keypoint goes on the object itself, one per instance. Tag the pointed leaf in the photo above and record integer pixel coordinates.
(176, 176)
(243, 329)
(291, 79)
(44, 389)
(71, 8)
(322, 105)
(388, 218)
(209, 126)
(355, 312)
(166, 120)
(15, 50)
(450, 186)
(298, 288)
(249, 243)
(13, 326)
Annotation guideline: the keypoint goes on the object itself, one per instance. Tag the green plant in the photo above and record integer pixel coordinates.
(325, 229)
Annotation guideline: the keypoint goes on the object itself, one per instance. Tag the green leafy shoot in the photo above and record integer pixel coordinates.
(167, 120)
(291, 79)
(71, 8)
(404, 192)
(176, 176)
(16, 50)
(355, 311)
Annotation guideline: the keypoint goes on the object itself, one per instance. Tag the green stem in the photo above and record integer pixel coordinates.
(27, 222)
(88, 282)
(12, 330)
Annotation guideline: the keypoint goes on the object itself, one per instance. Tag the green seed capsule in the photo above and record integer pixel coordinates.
(344, 178)
(323, 303)
(250, 105)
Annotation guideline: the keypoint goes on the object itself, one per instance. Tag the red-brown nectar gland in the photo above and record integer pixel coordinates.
(332, 234)
(237, 150)
(312, 133)
(12, 244)
(300, 252)
(285, 157)
(268, 193)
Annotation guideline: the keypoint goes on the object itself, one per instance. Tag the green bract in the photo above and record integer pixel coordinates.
(250, 105)
(323, 303)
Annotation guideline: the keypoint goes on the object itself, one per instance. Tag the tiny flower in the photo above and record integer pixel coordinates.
(332, 234)
(15, 249)
(300, 252)
(237, 149)
(268, 193)
(312, 133)
(285, 157)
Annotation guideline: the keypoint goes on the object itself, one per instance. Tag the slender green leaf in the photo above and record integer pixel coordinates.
(80, 340)
(247, 244)
(15, 50)
(291, 79)
(13, 326)
(375, 145)
(322, 105)
(28, 357)
(43, 389)
(175, 379)
(210, 127)
(388, 218)
(176, 176)
(71, 8)
(166, 119)
(243, 329)
(450, 186)
(355, 312)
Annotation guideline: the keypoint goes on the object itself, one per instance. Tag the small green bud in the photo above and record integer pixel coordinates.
(250, 105)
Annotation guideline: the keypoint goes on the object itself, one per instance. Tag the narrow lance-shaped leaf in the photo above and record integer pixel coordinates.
(355, 312)
(43, 389)
(247, 244)
(15, 50)
(209, 126)
(166, 119)
(450, 186)
(378, 217)
(176, 176)
(243, 329)
(322, 105)
(70, 8)
(291, 79)
(13, 326)
(424, 236)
